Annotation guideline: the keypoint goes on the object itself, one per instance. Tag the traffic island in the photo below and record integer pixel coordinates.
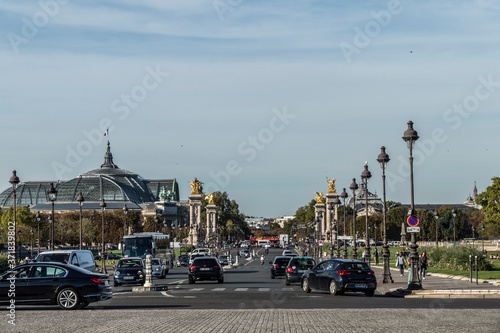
(148, 284)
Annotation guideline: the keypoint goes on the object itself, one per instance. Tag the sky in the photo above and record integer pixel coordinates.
(262, 99)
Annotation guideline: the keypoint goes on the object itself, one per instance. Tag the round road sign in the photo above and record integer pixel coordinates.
(412, 221)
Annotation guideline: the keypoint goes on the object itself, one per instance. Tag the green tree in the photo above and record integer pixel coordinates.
(490, 202)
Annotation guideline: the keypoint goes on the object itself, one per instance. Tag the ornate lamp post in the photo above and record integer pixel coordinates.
(454, 213)
(410, 136)
(125, 211)
(51, 235)
(436, 216)
(354, 187)
(31, 237)
(365, 177)
(38, 219)
(383, 159)
(335, 229)
(14, 180)
(80, 200)
(343, 195)
(52, 197)
(482, 236)
(103, 257)
(156, 220)
(19, 244)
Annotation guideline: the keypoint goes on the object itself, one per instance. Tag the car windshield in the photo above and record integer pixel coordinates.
(281, 261)
(155, 262)
(222, 257)
(205, 262)
(130, 263)
(303, 262)
(355, 266)
(55, 257)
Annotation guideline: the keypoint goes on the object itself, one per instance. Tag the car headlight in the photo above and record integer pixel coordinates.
(157, 269)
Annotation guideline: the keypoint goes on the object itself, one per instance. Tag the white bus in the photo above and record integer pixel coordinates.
(264, 242)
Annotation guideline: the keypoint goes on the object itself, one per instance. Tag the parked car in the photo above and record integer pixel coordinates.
(158, 268)
(129, 271)
(339, 276)
(79, 258)
(69, 286)
(245, 253)
(205, 268)
(113, 256)
(182, 260)
(279, 265)
(296, 267)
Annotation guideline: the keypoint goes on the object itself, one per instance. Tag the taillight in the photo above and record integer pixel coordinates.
(98, 280)
(216, 267)
(371, 272)
(275, 265)
(192, 267)
(342, 272)
(289, 269)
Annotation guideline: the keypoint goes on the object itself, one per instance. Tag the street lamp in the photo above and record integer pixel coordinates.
(410, 136)
(103, 257)
(156, 220)
(38, 219)
(365, 177)
(125, 211)
(354, 187)
(454, 213)
(482, 236)
(436, 216)
(19, 243)
(80, 200)
(52, 197)
(383, 159)
(51, 241)
(335, 229)
(31, 236)
(343, 195)
(14, 180)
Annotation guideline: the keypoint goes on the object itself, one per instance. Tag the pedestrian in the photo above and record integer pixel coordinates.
(375, 254)
(423, 264)
(408, 262)
(401, 263)
(363, 256)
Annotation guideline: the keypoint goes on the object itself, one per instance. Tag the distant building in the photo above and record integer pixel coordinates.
(375, 204)
(471, 200)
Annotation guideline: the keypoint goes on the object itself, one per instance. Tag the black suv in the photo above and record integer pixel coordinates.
(279, 266)
(205, 268)
(297, 267)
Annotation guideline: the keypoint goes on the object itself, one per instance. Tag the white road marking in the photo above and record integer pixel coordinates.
(241, 289)
(287, 289)
(196, 289)
(218, 289)
(264, 289)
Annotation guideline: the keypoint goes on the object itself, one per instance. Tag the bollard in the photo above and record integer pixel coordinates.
(230, 259)
(470, 267)
(477, 281)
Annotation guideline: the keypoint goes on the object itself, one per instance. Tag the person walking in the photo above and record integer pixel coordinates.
(401, 263)
(375, 255)
(423, 264)
(408, 262)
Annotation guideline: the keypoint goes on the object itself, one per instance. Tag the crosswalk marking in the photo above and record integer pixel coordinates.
(218, 289)
(264, 289)
(286, 289)
(196, 289)
(241, 289)
(238, 289)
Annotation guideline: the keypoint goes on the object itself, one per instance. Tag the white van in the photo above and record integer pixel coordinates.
(264, 243)
(80, 258)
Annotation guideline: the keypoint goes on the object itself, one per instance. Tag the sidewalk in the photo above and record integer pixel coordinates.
(435, 286)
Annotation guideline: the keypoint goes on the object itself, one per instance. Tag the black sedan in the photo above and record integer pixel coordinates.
(205, 268)
(129, 271)
(297, 267)
(69, 286)
(339, 276)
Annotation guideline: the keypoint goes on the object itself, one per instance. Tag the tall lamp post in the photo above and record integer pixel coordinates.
(436, 216)
(51, 240)
(31, 236)
(335, 229)
(410, 136)
(80, 200)
(454, 213)
(14, 180)
(52, 197)
(354, 187)
(383, 159)
(482, 236)
(38, 219)
(365, 177)
(103, 257)
(19, 243)
(125, 211)
(343, 195)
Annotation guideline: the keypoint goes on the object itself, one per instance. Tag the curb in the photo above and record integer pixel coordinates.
(460, 293)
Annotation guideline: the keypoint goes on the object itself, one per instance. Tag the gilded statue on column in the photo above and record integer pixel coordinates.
(196, 186)
(331, 185)
(210, 199)
(319, 197)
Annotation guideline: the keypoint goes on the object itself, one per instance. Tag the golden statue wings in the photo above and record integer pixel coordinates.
(331, 185)
(319, 197)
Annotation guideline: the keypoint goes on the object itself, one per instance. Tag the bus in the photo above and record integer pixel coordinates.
(143, 243)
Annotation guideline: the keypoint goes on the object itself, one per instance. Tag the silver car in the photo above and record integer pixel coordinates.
(158, 268)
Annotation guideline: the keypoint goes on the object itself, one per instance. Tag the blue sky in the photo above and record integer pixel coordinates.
(262, 99)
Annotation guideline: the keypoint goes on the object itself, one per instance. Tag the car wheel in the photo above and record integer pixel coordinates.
(68, 299)
(287, 282)
(305, 285)
(220, 280)
(190, 281)
(334, 290)
(370, 293)
(272, 276)
(116, 284)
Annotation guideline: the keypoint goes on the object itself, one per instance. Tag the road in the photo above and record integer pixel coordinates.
(249, 287)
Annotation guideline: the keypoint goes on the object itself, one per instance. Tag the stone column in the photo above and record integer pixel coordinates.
(211, 223)
(320, 215)
(194, 218)
(332, 217)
